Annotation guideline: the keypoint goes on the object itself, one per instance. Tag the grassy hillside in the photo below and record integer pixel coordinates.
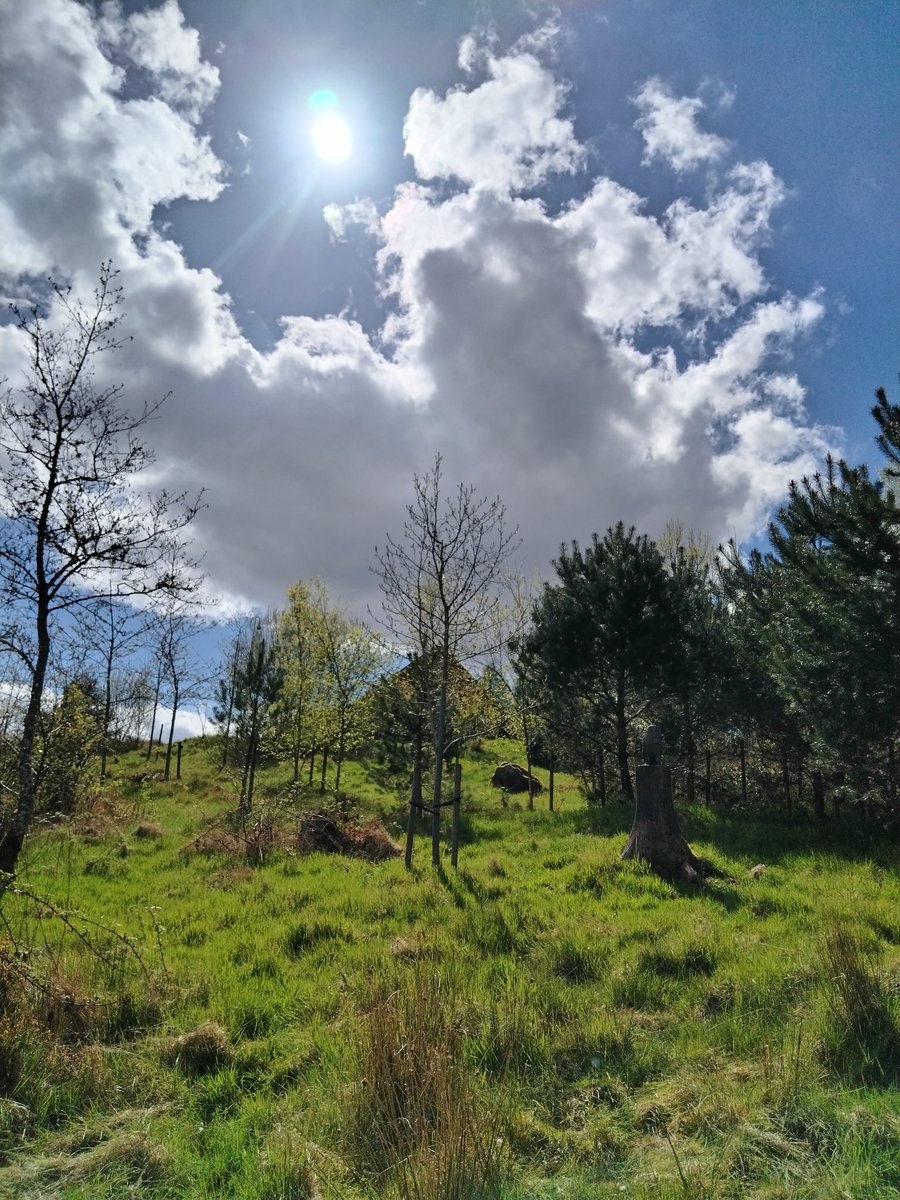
(194, 1009)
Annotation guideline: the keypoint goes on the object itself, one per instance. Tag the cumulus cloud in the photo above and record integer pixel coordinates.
(505, 133)
(588, 364)
(670, 130)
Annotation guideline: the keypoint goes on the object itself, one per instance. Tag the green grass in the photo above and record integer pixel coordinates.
(547, 1022)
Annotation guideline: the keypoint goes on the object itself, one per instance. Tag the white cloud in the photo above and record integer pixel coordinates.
(669, 127)
(506, 133)
(340, 217)
(158, 40)
(515, 340)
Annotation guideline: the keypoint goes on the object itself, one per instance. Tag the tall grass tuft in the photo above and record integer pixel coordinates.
(861, 1034)
(417, 1123)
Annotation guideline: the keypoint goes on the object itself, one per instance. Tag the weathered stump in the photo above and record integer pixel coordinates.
(655, 836)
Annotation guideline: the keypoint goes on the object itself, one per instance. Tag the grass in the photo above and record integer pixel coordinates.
(192, 1009)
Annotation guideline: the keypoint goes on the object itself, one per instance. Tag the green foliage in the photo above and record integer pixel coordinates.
(545, 1019)
(70, 737)
(605, 640)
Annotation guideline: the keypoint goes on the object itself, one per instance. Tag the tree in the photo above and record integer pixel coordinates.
(258, 685)
(351, 660)
(439, 583)
(226, 691)
(832, 589)
(607, 641)
(181, 671)
(299, 656)
(112, 631)
(70, 508)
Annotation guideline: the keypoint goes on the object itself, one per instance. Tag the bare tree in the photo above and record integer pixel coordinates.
(111, 633)
(440, 583)
(69, 456)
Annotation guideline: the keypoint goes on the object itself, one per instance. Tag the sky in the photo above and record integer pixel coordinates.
(612, 259)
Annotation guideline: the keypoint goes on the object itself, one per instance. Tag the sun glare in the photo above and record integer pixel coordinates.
(331, 138)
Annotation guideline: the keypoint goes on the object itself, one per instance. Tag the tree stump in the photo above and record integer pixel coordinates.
(655, 836)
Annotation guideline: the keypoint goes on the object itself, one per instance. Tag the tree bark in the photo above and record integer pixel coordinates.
(622, 738)
(440, 731)
(655, 836)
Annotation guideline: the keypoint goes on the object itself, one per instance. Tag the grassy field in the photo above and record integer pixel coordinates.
(188, 1009)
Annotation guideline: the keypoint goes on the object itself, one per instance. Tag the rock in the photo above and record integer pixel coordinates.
(756, 871)
(513, 778)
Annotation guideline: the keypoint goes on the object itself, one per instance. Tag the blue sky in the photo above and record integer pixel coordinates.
(626, 259)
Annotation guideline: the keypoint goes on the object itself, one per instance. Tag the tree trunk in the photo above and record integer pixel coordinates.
(655, 837)
(298, 742)
(342, 738)
(175, 698)
(622, 739)
(153, 715)
(107, 716)
(440, 732)
(14, 836)
(818, 789)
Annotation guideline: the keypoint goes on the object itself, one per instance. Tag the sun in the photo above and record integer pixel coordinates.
(331, 138)
(330, 133)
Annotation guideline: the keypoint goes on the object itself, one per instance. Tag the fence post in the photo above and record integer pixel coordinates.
(454, 827)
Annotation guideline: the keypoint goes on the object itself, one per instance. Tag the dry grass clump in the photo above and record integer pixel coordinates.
(201, 1050)
(147, 831)
(415, 1119)
(324, 832)
(214, 841)
(130, 1155)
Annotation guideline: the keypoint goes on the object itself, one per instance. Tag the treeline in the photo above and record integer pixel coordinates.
(775, 676)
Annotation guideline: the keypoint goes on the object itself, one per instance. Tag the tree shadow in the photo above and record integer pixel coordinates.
(772, 838)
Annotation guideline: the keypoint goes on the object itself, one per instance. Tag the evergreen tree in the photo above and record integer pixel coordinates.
(607, 642)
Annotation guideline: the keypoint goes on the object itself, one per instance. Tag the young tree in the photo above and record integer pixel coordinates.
(71, 454)
(258, 685)
(299, 655)
(606, 641)
(226, 700)
(351, 660)
(111, 631)
(439, 583)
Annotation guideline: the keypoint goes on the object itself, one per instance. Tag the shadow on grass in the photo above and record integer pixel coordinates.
(772, 838)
